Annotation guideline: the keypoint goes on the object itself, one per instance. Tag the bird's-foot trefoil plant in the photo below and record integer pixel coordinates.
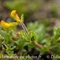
(20, 43)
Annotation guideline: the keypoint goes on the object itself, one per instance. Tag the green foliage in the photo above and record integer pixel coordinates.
(47, 46)
(47, 42)
(40, 30)
(56, 33)
(32, 36)
(11, 41)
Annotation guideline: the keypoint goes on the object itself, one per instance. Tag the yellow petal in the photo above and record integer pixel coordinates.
(13, 13)
(5, 25)
(15, 16)
(8, 26)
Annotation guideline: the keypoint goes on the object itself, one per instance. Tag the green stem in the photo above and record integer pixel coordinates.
(24, 27)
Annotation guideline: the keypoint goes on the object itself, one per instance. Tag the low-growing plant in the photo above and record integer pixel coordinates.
(19, 44)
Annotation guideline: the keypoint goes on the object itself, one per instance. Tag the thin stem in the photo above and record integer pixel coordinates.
(40, 46)
(24, 27)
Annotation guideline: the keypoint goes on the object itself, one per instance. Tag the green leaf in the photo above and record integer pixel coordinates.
(46, 46)
(41, 33)
(32, 26)
(56, 35)
(3, 33)
(21, 43)
(32, 36)
(22, 17)
(56, 49)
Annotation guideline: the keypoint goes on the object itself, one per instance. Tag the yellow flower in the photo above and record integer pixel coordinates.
(8, 26)
(15, 16)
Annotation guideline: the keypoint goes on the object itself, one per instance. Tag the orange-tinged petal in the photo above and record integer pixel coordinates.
(18, 19)
(15, 16)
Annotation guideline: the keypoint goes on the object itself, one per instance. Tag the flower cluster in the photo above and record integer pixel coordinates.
(9, 26)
